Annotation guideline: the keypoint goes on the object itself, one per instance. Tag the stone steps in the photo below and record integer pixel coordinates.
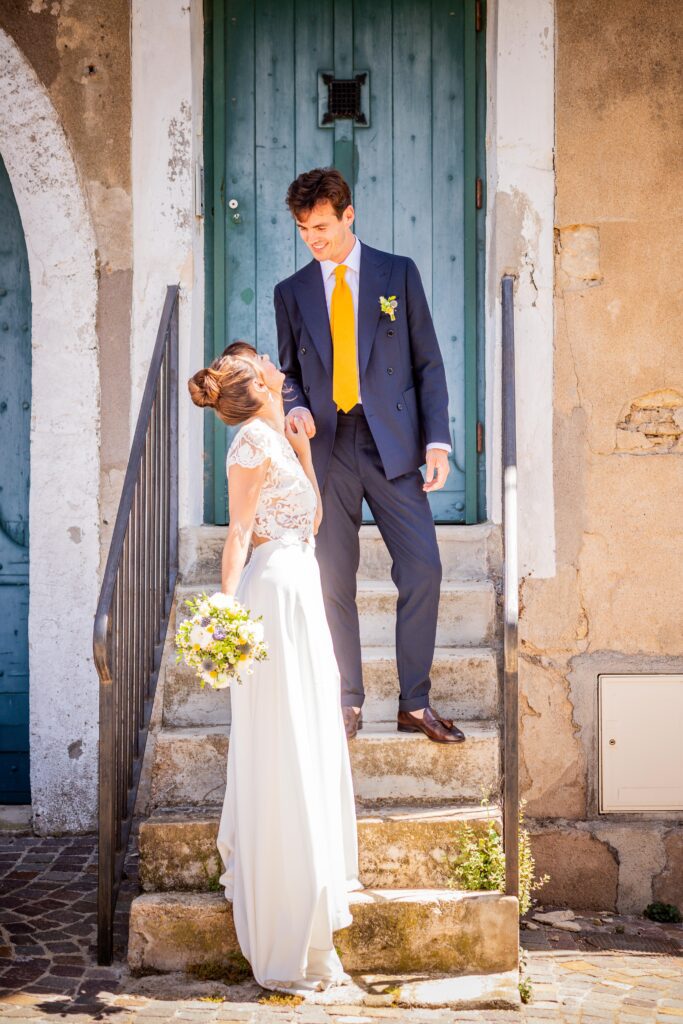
(467, 612)
(464, 686)
(401, 848)
(414, 797)
(467, 553)
(435, 931)
(389, 767)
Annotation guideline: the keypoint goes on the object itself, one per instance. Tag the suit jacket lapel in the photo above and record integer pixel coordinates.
(375, 269)
(310, 293)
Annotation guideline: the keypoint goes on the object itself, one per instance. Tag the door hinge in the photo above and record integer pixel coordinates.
(477, 16)
(479, 193)
(480, 437)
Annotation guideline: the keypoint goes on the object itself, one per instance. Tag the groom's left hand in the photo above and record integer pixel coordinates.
(437, 469)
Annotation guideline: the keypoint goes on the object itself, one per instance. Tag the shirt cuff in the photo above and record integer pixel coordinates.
(440, 446)
(300, 408)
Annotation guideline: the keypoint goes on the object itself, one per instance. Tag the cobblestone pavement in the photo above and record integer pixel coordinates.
(614, 969)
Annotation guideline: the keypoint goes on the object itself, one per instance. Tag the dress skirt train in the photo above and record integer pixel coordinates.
(287, 834)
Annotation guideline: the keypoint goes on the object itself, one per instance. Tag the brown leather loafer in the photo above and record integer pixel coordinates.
(353, 721)
(435, 728)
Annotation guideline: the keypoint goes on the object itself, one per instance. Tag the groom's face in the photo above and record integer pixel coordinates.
(328, 236)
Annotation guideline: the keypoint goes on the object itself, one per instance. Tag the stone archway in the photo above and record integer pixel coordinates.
(64, 502)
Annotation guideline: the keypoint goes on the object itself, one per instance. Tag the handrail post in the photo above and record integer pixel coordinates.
(510, 596)
(133, 612)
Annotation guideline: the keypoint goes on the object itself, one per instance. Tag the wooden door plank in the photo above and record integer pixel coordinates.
(274, 159)
(470, 270)
(448, 235)
(15, 423)
(412, 136)
(314, 41)
(374, 192)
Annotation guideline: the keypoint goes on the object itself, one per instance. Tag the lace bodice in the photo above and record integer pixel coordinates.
(287, 503)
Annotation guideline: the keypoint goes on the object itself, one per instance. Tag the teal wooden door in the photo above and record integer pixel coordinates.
(15, 421)
(412, 168)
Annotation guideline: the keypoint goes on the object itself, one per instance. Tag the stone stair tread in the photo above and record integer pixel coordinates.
(398, 848)
(447, 586)
(454, 812)
(402, 930)
(474, 729)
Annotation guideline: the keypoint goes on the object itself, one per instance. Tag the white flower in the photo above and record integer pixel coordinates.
(257, 632)
(222, 601)
(221, 681)
(200, 636)
(204, 608)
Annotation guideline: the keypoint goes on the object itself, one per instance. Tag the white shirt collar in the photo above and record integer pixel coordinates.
(352, 261)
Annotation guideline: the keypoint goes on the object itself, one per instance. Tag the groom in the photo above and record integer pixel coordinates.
(366, 381)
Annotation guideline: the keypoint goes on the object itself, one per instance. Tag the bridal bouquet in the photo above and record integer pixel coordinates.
(219, 640)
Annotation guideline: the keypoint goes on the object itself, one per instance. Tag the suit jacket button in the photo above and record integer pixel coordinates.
(303, 351)
(399, 406)
(307, 389)
(390, 370)
(390, 334)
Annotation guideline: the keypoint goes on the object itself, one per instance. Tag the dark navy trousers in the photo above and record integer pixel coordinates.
(404, 519)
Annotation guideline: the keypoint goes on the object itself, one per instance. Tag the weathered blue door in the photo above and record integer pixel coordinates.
(15, 419)
(411, 156)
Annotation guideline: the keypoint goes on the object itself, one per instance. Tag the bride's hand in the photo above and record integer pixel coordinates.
(297, 436)
(318, 518)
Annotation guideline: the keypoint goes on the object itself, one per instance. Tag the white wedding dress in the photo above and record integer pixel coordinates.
(287, 834)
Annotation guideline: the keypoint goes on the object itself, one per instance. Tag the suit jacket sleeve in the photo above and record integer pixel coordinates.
(292, 392)
(428, 368)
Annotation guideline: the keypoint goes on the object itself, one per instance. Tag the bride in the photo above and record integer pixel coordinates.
(287, 834)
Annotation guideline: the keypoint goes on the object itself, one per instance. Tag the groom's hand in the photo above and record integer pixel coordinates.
(301, 417)
(437, 469)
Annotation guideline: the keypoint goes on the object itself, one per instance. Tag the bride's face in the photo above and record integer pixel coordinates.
(270, 375)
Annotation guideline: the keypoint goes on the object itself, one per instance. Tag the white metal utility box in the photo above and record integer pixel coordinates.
(641, 742)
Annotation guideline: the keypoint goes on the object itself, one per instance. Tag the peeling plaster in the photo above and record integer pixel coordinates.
(520, 218)
(64, 447)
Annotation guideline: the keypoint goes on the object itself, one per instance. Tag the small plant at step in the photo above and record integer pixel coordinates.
(664, 912)
(231, 971)
(281, 999)
(481, 863)
(524, 985)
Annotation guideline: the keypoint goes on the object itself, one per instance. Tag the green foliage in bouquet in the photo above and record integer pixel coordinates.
(481, 863)
(219, 640)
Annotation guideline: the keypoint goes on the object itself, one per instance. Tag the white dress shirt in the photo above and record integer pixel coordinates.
(352, 278)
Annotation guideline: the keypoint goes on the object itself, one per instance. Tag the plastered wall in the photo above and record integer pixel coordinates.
(614, 603)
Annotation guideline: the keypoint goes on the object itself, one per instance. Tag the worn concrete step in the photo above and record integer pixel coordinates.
(467, 553)
(467, 612)
(401, 931)
(389, 768)
(464, 686)
(401, 848)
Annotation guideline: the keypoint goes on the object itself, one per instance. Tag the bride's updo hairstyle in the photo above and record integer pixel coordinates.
(225, 385)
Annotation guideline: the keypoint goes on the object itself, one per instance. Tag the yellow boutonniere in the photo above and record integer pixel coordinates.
(388, 306)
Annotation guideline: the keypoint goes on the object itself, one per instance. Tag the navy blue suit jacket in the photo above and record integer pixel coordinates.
(402, 376)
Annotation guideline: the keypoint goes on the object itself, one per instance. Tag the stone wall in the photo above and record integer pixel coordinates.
(80, 51)
(614, 603)
(65, 139)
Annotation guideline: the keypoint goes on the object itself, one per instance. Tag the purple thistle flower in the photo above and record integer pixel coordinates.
(219, 634)
(206, 621)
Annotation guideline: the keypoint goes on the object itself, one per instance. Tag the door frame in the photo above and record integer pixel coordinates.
(474, 246)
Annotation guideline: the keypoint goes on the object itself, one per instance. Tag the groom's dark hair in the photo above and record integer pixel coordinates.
(313, 187)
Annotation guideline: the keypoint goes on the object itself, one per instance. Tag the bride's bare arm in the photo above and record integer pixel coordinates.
(301, 444)
(244, 488)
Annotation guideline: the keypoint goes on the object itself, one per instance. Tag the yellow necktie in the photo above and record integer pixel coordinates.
(343, 325)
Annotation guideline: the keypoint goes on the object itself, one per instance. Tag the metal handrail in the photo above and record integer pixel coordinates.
(133, 612)
(510, 597)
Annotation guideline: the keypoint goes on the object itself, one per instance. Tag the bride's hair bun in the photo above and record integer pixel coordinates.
(205, 388)
(226, 385)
